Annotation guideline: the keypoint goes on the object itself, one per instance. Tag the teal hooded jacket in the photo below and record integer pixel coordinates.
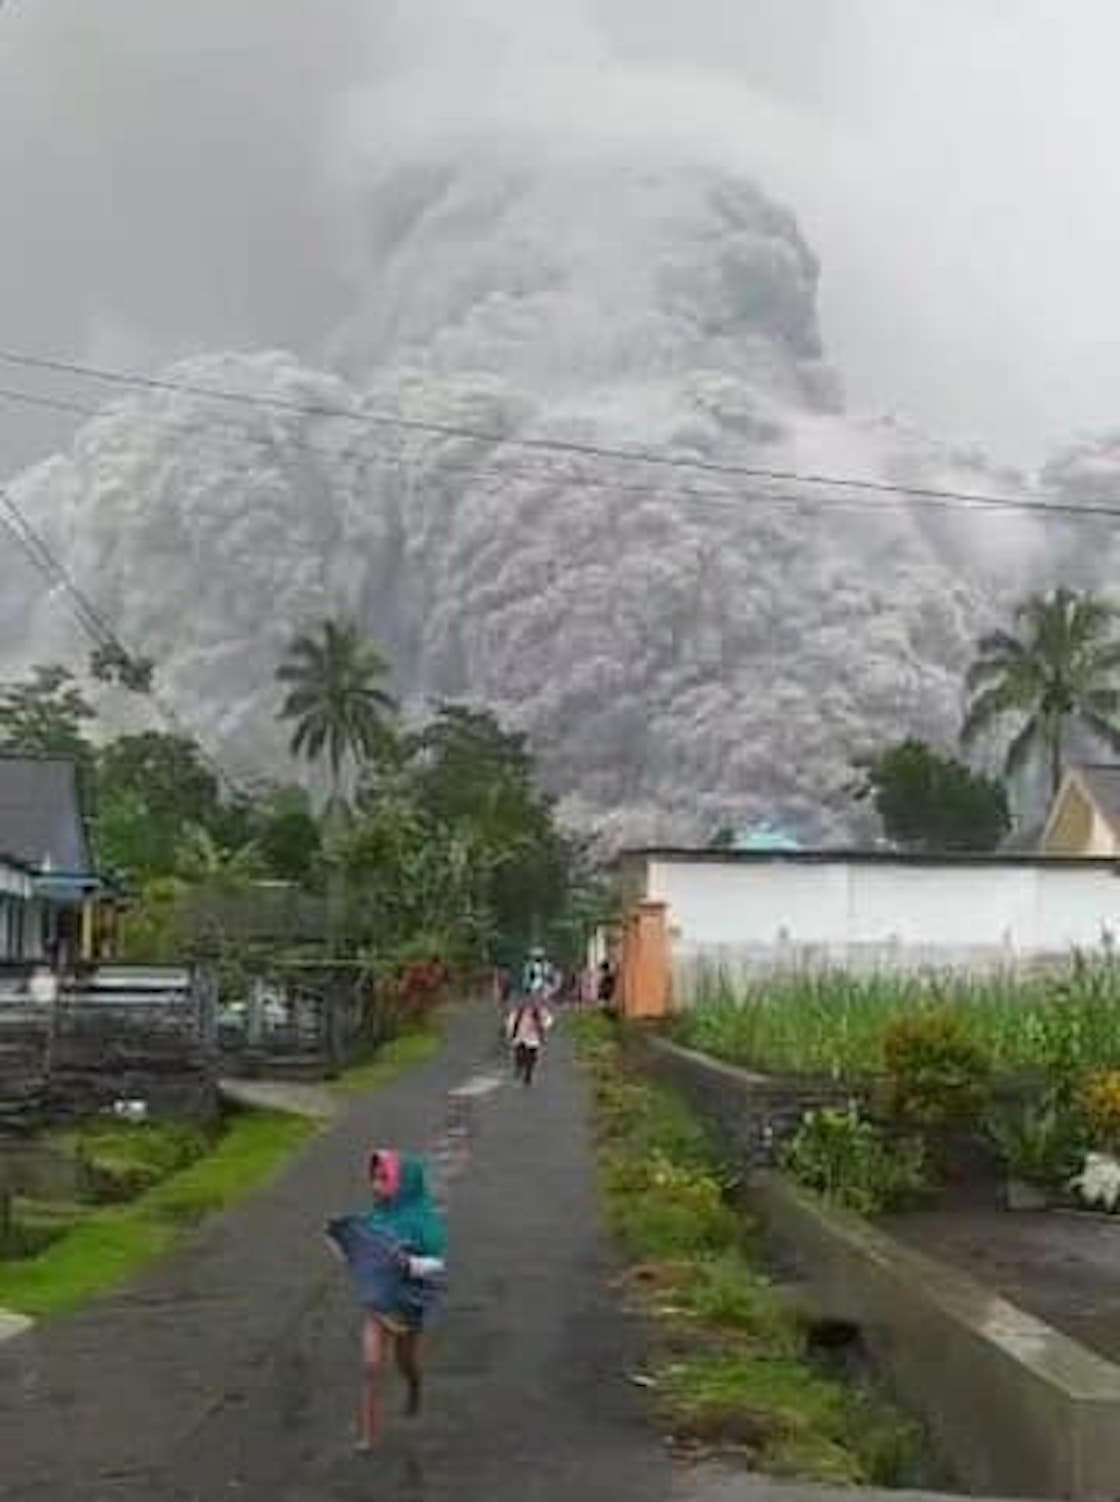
(376, 1245)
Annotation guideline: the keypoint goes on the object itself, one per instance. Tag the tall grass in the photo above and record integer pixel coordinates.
(831, 1023)
(731, 1366)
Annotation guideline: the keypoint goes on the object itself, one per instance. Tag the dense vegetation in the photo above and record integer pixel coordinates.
(836, 1023)
(732, 1367)
(1029, 1065)
(436, 842)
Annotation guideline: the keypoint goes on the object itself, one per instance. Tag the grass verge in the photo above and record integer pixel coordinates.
(122, 1160)
(393, 1058)
(113, 1243)
(731, 1367)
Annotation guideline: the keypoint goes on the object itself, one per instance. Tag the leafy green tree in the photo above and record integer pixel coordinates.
(45, 715)
(156, 926)
(1060, 669)
(334, 699)
(287, 835)
(152, 789)
(203, 861)
(931, 802)
(416, 883)
(475, 776)
(337, 707)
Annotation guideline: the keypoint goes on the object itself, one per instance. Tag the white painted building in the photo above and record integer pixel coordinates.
(759, 911)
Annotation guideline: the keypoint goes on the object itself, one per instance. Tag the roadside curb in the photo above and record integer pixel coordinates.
(313, 1101)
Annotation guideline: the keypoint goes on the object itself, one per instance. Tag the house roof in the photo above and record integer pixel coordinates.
(863, 857)
(1101, 781)
(40, 814)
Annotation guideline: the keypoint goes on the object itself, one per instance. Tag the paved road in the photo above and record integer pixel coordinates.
(231, 1370)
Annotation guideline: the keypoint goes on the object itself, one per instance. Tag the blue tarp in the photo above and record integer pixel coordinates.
(376, 1265)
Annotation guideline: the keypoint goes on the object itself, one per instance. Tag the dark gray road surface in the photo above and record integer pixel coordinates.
(230, 1371)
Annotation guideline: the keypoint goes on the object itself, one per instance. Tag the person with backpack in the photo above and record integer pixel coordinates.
(527, 1028)
(534, 974)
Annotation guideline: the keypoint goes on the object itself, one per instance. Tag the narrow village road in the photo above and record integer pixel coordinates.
(231, 1369)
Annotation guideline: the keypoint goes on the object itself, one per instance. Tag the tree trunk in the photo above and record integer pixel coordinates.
(336, 876)
(1055, 760)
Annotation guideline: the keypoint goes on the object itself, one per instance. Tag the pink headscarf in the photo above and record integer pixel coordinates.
(390, 1160)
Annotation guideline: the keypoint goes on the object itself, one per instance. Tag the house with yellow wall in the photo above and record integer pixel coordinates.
(1084, 818)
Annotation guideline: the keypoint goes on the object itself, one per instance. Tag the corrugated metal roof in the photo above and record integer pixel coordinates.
(40, 815)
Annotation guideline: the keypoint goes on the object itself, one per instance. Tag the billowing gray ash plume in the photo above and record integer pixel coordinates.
(682, 647)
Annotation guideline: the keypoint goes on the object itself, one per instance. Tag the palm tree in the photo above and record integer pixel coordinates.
(334, 698)
(1060, 669)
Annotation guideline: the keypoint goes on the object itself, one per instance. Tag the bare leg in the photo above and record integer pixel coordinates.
(408, 1364)
(373, 1356)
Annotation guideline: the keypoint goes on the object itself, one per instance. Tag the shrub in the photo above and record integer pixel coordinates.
(121, 1160)
(659, 1208)
(1041, 1144)
(850, 1161)
(937, 1074)
(733, 1371)
(1099, 1101)
(726, 1293)
(791, 1418)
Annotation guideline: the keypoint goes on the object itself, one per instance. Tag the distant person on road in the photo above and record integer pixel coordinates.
(527, 1027)
(608, 982)
(395, 1253)
(535, 974)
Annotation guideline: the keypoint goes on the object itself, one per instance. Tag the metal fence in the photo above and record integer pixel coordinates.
(304, 1018)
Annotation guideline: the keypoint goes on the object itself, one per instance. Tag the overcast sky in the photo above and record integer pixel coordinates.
(167, 171)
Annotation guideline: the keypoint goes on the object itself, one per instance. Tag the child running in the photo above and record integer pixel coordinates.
(527, 1027)
(395, 1253)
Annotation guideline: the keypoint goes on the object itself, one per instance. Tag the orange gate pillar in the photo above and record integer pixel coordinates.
(646, 988)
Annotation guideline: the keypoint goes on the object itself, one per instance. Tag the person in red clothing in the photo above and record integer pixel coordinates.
(527, 1027)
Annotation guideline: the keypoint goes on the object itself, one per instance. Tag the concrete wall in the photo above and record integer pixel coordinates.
(1017, 1408)
(752, 915)
(752, 1114)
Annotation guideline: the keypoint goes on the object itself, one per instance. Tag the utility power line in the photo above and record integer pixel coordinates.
(858, 494)
(556, 446)
(92, 621)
